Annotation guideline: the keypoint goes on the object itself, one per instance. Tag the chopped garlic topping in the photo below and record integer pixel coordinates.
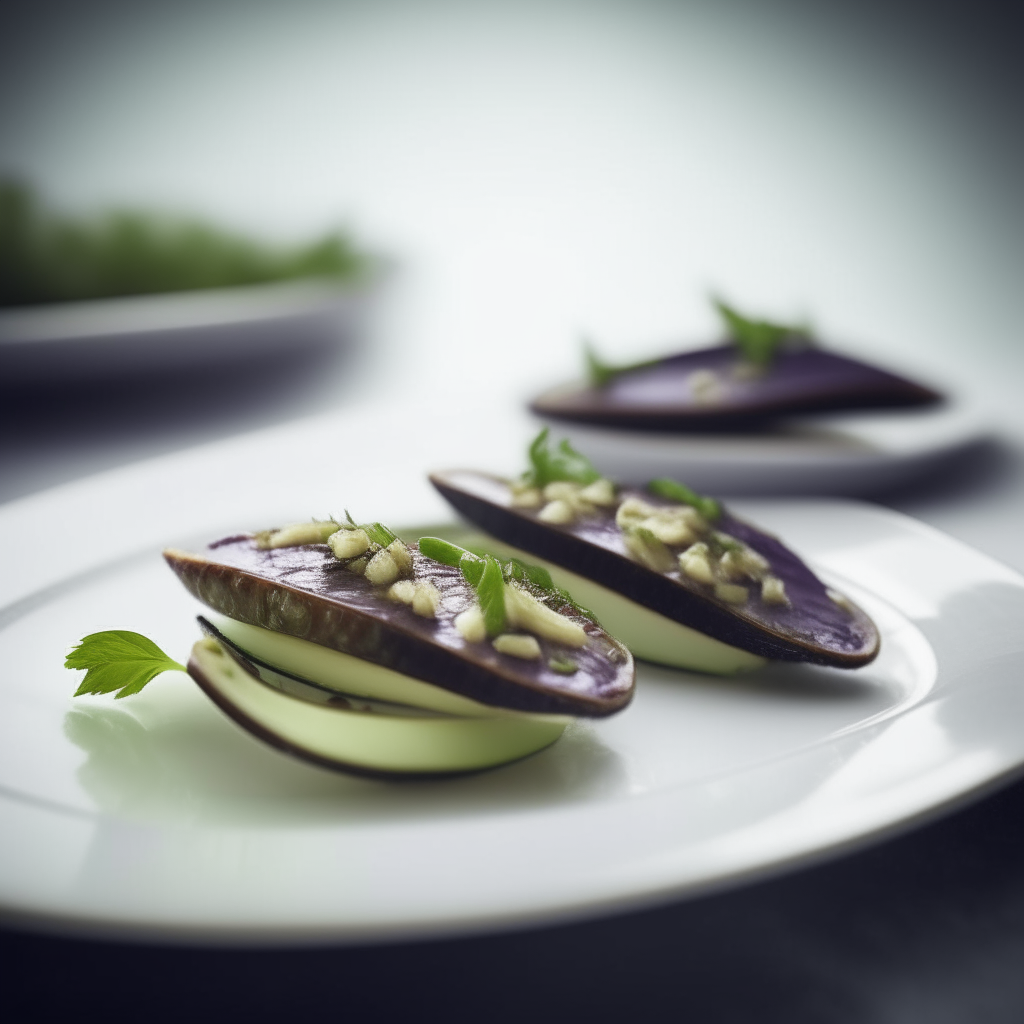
(382, 568)
(755, 564)
(731, 593)
(403, 590)
(558, 513)
(422, 595)
(297, 533)
(669, 528)
(348, 543)
(470, 624)
(528, 497)
(695, 562)
(648, 550)
(524, 611)
(517, 644)
(730, 566)
(773, 591)
(426, 599)
(564, 490)
(600, 492)
(402, 557)
(649, 529)
(705, 386)
(571, 494)
(632, 512)
(358, 566)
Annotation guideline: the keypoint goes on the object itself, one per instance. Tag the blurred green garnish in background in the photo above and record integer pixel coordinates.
(758, 341)
(46, 257)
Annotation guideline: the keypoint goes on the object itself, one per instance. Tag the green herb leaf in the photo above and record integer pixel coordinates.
(536, 574)
(378, 533)
(675, 491)
(722, 542)
(472, 567)
(118, 659)
(490, 593)
(564, 666)
(442, 551)
(564, 463)
(600, 373)
(472, 561)
(757, 340)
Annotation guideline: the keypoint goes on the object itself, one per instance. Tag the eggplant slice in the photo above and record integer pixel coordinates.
(305, 592)
(817, 625)
(666, 396)
(365, 738)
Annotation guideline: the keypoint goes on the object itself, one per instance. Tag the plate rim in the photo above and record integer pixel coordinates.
(662, 890)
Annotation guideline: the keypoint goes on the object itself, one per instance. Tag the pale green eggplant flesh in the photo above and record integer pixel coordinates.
(647, 634)
(373, 742)
(344, 673)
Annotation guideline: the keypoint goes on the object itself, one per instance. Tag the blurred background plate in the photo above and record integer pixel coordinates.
(80, 343)
(851, 454)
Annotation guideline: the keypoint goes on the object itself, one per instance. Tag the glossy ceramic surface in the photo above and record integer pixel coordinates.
(158, 816)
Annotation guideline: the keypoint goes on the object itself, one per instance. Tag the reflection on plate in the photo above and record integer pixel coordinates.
(158, 816)
(75, 342)
(852, 454)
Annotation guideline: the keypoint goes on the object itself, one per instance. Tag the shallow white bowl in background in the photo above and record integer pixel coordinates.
(842, 454)
(75, 342)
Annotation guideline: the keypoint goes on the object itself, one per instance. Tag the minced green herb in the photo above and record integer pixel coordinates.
(441, 551)
(377, 533)
(565, 666)
(471, 563)
(675, 491)
(758, 341)
(562, 463)
(472, 568)
(490, 592)
(48, 257)
(600, 373)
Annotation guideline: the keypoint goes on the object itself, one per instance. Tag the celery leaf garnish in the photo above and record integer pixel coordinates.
(118, 659)
(562, 463)
(758, 341)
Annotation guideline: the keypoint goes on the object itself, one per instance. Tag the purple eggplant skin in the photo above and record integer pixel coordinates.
(658, 397)
(814, 628)
(305, 592)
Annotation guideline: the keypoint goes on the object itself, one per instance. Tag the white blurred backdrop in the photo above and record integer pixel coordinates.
(542, 169)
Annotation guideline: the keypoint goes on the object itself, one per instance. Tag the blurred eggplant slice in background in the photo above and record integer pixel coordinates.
(766, 371)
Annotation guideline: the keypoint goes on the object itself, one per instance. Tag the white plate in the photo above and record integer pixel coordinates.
(71, 342)
(850, 454)
(157, 816)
